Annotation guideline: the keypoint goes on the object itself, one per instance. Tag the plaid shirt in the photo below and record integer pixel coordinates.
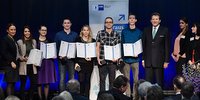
(104, 38)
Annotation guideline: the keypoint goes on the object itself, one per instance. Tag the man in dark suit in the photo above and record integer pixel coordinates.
(156, 50)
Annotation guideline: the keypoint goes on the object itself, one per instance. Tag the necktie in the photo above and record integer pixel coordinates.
(154, 32)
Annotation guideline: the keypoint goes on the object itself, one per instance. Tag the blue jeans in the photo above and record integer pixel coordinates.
(69, 66)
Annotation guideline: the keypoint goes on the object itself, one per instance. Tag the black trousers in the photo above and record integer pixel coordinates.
(158, 73)
(33, 82)
(84, 77)
(104, 70)
(179, 65)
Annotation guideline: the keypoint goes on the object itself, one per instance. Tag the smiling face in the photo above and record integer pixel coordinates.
(182, 24)
(108, 23)
(67, 24)
(43, 31)
(155, 20)
(85, 31)
(194, 29)
(11, 31)
(27, 33)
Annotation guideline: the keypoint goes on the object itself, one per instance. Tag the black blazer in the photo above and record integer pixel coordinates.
(156, 51)
(8, 50)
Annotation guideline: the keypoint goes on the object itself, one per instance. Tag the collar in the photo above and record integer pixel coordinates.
(156, 27)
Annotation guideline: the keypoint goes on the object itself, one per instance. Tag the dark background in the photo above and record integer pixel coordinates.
(52, 12)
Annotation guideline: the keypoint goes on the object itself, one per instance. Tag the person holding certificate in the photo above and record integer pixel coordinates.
(106, 37)
(26, 43)
(156, 50)
(46, 72)
(84, 66)
(131, 35)
(65, 63)
(9, 51)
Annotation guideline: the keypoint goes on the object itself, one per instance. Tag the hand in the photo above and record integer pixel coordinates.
(175, 57)
(135, 56)
(25, 58)
(88, 59)
(190, 62)
(143, 64)
(13, 65)
(165, 65)
(114, 60)
(99, 61)
(60, 57)
(76, 65)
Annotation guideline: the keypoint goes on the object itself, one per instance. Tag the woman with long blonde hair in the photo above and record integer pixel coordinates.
(85, 64)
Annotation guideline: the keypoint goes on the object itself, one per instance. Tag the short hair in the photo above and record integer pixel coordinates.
(178, 81)
(12, 97)
(187, 90)
(156, 14)
(155, 93)
(120, 81)
(108, 18)
(66, 95)
(105, 96)
(73, 86)
(131, 14)
(143, 87)
(58, 98)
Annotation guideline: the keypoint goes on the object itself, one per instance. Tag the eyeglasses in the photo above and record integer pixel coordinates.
(109, 22)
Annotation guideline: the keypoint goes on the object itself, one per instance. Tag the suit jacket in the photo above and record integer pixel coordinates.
(156, 51)
(22, 53)
(9, 51)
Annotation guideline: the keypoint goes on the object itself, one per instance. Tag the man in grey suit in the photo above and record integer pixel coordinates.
(156, 50)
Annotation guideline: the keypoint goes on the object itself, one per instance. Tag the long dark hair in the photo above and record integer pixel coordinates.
(198, 28)
(23, 36)
(185, 30)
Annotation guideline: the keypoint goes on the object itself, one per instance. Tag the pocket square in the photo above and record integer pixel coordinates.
(162, 36)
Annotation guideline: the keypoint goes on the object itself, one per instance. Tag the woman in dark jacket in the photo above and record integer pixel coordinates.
(9, 57)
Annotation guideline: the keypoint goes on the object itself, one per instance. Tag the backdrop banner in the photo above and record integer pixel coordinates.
(100, 9)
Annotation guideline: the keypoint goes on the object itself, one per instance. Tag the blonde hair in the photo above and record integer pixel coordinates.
(90, 33)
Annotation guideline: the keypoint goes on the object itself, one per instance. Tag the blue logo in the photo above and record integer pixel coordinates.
(121, 17)
(100, 7)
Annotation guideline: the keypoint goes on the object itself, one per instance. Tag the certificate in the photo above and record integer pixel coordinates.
(86, 50)
(49, 50)
(133, 49)
(112, 52)
(67, 49)
(35, 57)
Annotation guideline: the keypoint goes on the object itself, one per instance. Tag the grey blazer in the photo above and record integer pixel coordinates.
(22, 53)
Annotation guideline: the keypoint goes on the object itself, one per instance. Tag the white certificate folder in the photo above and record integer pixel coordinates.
(35, 57)
(49, 50)
(86, 50)
(133, 49)
(67, 49)
(112, 52)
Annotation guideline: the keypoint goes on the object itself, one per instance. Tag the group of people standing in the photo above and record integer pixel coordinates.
(155, 56)
(15, 55)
